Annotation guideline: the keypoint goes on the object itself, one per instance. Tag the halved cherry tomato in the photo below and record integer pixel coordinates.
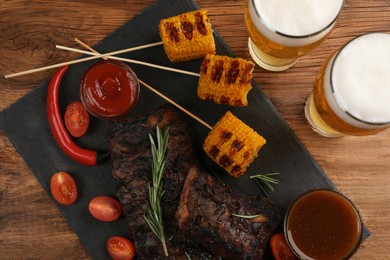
(105, 208)
(63, 188)
(120, 248)
(76, 119)
(280, 249)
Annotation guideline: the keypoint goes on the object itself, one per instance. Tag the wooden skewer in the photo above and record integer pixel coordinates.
(176, 104)
(87, 47)
(82, 60)
(157, 92)
(131, 61)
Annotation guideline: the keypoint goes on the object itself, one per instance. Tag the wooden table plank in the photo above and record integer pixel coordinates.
(31, 226)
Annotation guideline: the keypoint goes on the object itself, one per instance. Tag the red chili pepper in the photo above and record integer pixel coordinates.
(81, 155)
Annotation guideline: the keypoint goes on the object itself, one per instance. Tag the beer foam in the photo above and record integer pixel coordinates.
(361, 78)
(294, 18)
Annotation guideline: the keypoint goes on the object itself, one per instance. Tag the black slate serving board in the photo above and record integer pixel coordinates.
(25, 124)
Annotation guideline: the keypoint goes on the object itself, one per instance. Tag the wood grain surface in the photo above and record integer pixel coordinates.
(31, 226)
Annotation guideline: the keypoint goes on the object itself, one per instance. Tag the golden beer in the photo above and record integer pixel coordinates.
(275, 49)
(351, 94)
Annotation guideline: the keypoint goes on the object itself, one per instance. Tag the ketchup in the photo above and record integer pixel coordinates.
(109, 89)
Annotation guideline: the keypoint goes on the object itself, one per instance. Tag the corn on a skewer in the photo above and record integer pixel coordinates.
(225, 80)
(187, 36)
(233, 144)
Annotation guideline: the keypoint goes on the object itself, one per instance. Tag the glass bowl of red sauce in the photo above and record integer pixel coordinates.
(109, 89)
(323, 224)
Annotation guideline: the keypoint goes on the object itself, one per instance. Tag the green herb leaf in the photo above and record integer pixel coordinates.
(246, 216)
(267, 179)
(154, 214)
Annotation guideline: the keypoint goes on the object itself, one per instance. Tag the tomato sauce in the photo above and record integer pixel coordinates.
(323, 224)
(109, 89)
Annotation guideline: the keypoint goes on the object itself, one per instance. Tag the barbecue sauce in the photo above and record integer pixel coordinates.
(323, 224)
(109, 89)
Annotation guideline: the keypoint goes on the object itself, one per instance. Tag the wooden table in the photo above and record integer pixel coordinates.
(31, 226)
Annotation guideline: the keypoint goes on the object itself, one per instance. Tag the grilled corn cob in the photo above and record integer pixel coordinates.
(225, 80)
(232, 144)
(187, 36)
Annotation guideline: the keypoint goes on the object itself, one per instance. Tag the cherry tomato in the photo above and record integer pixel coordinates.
(120, 248)
(105, 208)
(63, 188)
(76, 119)
(280, 249)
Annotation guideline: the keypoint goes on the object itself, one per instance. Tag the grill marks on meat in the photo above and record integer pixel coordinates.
(205, 214)
(131, 166)
(195, 206)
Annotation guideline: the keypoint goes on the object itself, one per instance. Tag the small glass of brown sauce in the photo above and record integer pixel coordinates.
(323, 224)
(109, 89)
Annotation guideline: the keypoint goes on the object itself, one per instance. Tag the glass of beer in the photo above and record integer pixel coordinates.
(281, 31)
(351, 93)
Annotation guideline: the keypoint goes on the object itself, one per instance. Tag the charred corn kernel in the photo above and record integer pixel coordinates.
(233, 144)
(187, 36)
(225, 80)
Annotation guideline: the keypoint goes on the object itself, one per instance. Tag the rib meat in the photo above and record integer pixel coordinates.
(206, 210)
(197, 210)
(131, 167)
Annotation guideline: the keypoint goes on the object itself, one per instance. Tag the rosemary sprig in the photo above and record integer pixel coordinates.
(154, 214)
(267, 179)
(188, 256)
(245, 216)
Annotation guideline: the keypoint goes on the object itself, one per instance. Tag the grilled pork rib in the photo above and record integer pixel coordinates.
(205, 214)
(131, 167)
(196, 209)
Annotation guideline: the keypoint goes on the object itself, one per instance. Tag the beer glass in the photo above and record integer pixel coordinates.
(351, 93)
(281, 31)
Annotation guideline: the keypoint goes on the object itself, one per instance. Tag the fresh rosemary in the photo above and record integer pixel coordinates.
(188, 256)
(267, 179)
(154, 214)
(245, 216)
